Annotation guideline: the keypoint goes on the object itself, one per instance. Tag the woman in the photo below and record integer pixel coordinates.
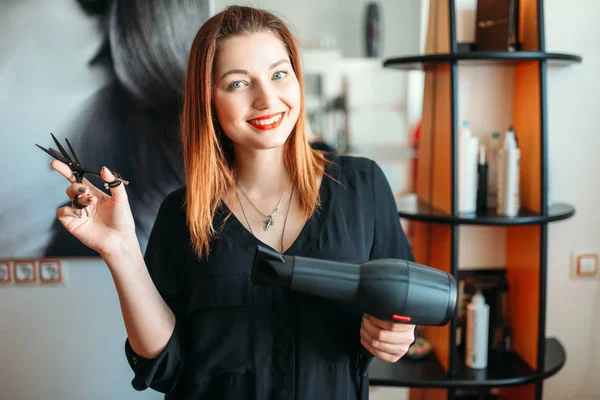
(197, 328)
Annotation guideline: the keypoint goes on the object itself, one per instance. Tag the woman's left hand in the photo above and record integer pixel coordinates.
(388, 341)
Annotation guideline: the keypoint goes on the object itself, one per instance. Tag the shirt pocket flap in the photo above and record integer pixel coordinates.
(221, 291)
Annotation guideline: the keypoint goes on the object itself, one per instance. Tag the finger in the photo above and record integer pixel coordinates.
(382, 355)
(63, 169)
(386, 336)
(390, 348)
(118, 193)
(390, 326)
(66, 215)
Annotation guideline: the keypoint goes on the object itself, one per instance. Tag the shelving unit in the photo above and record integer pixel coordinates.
(503, 370)
(435, 219)
(429, 61)
(427, 213)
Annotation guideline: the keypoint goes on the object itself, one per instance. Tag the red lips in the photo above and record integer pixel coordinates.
(266, 127)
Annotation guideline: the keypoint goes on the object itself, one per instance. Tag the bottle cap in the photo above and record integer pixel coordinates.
(478, 299)
(509, 140)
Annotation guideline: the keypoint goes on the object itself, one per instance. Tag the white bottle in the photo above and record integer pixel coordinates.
(508, 176)
(478, 315)
(468, 150)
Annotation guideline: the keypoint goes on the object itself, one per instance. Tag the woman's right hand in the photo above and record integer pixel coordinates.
(108, 225)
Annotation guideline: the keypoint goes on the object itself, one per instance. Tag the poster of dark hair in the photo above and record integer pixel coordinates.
(105, 74)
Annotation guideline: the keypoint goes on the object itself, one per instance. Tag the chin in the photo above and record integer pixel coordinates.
(271, 143)
(272, 139)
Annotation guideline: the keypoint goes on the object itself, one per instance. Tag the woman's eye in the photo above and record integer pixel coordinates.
(235, 85)
(279, 75)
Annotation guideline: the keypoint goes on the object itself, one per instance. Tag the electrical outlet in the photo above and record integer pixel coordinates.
(5, 275)
(585, 264)
(51, 271)
(24, 272)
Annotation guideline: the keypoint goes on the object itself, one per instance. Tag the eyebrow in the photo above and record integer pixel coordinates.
(245, 72)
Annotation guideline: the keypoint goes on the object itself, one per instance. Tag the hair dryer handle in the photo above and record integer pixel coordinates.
(363, 361)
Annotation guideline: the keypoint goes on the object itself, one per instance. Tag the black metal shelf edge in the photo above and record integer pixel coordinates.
(426, 213)
(425, 61)
(508, 370)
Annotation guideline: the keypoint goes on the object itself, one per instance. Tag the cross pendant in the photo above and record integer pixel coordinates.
(269, 222)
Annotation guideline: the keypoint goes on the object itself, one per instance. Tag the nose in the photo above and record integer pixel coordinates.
(264, 96)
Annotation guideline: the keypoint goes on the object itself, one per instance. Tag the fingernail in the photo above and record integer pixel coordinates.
(107, 170)
(81, 189)
(77, 212)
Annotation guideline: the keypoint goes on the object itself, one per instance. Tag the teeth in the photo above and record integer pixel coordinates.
(267, 121)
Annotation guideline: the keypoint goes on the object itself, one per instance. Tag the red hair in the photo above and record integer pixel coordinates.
(207, 152)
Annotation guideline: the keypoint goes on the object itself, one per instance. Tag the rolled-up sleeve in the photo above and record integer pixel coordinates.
(163, 372)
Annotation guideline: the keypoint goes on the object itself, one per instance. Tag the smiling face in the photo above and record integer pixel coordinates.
(256, 93)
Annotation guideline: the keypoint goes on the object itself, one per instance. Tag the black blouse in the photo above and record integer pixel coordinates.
(233, 340)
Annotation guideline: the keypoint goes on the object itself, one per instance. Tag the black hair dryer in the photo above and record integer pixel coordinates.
(388, 289)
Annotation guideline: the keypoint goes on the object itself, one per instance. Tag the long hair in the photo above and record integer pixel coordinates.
(150, 41)
(207, 152)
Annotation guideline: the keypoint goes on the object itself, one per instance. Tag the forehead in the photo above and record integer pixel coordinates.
(252, 52)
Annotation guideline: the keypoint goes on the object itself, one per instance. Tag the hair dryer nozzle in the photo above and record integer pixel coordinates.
(270, 268)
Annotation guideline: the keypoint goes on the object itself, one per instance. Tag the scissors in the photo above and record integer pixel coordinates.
(78, 170)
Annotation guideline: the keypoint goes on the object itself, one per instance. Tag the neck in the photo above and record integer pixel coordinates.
(262, 171)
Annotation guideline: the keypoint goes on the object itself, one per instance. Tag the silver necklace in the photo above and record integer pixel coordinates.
(270, 218)
(284, 221)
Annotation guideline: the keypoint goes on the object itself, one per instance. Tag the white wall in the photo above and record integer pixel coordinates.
(574, 145)
(65, 342)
